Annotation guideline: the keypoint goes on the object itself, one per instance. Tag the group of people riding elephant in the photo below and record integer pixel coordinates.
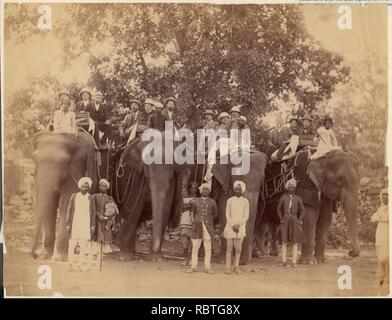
(62, 157)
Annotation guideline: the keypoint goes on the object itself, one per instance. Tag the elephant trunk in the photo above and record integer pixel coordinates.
(47, 195)
(349, 200)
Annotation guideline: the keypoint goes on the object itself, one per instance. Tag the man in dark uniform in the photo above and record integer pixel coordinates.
(157, 120)
(82, 108)
(307, 134)
(100, 114)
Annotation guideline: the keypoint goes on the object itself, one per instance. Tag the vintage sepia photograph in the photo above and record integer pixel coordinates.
(195, 149)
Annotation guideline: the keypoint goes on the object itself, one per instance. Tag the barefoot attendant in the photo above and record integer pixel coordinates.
(204, 212)
(106, 213)
(237, 214)
(186, 223)
(381, 217)
(80, 222)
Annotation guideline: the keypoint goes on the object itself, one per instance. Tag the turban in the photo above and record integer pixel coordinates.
(104, 182)
(243, 118)
(291, 183)
(241, 184)
(204, 186)
(84, 180)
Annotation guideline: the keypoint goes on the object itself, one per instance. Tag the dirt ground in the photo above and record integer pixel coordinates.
(262, 278)
(139, 278)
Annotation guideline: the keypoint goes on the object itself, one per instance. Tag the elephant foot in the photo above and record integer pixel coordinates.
(307, 260)
(320, 259)
(259, 254)
(60, 258)
(353, 253)
(273, 253)
(245, 259)
(126, 256)
(44, 256)
(34, 255)
(156, 257)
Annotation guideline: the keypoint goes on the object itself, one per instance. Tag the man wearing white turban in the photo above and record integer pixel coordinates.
(80, 222)
(291, 211)
(204, 211)
(237, 214)
(85, 180)
(381, 217)
(106, 212)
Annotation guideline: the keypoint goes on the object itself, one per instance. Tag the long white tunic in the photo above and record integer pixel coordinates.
(64, 122)
(326, 142)
(81, 219)
(381, 216)
(237, 212)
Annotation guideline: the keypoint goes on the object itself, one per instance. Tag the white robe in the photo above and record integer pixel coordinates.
(64, 122)
(81, 219)
(237, 212)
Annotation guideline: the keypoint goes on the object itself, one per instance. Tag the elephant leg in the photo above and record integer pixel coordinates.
(128, 232)
(274, 239)
(261, 232)
(62, 238)
(349, 200)
(309, 228)
(222, 222)
(322, 228)
(50, 233)
(247, 244)
(162, 198)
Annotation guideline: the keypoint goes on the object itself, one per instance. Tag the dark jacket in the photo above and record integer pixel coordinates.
(157, 121)
(80, 106)
(290, 227)
(203, 210)
(71, 210)
(102, 114)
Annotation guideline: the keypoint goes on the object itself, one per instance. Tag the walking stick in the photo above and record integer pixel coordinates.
(101, 254)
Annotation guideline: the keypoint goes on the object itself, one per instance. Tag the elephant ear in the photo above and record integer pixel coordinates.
(317, 171)
(133, 157)
(221, 173)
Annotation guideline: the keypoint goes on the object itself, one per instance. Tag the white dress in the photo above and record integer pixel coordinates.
(64, 122)
(81, 219)
(326, 142)
(237, 212)
(381, 216)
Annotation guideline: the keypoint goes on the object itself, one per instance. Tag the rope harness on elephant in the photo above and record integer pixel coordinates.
(276, 184)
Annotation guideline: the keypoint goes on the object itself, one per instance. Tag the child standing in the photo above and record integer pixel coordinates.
(237, 214)
(81, 221)
(382, 238)
(186, 222)
(291, 211)
(204, 211)
(106, 213)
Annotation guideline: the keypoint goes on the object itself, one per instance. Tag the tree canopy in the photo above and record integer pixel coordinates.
(217, 55)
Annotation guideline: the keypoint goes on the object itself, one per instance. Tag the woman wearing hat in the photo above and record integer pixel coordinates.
(64, 119)
(235, 113)
(209, 122)
(157, 120)
(326, 139)
(80, 222)
(291, 211)
(106, 212)
(85, 103)
(131, 118)
(224, 121)
(237, 214)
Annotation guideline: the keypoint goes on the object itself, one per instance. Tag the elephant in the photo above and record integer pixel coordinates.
(321, 183)
(61, 159)
(141, 189)
(222, 184)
